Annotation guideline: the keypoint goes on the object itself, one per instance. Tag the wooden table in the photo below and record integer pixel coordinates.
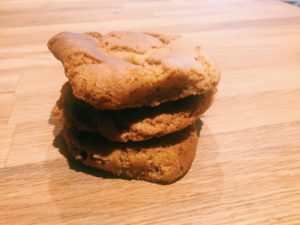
(247, 167)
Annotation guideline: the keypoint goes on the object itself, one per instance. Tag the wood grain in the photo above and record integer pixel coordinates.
(247, 167)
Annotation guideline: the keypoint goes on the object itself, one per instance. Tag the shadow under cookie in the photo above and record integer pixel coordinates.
(159, 160)
(135, 124)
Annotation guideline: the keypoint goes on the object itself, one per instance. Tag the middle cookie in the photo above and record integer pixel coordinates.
(135, 124)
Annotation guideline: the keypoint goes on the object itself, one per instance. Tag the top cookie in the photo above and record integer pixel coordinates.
(121, 70)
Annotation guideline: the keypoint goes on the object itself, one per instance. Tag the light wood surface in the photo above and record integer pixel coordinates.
(247, 167)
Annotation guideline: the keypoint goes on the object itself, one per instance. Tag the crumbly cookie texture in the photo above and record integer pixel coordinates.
(121, 70)
(161, 160)
(136, 124)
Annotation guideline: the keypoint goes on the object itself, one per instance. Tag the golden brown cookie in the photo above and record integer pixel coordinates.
(134, 124)
(159, 160)
(121, 70)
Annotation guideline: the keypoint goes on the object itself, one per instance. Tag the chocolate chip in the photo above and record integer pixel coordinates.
(81, 156)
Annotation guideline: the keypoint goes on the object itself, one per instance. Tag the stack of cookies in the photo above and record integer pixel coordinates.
(131, 101)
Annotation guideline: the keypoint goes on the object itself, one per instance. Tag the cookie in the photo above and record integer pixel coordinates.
(160, 160)
(121, 70)
(136, 124)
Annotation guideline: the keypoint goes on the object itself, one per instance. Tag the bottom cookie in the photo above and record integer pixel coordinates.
(159, 160)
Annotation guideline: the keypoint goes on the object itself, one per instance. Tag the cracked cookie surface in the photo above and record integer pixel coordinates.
(159, 160)
(121, 70)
